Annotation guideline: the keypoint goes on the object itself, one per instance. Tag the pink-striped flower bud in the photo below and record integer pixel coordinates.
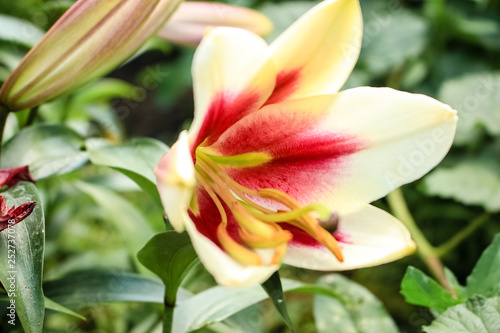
(89, 40)
(188, 24)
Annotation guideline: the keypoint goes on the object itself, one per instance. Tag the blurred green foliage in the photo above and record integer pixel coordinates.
(98, 218)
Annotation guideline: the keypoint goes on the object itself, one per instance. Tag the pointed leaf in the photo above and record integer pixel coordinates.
(47, 149)
(21, 274)
(218, 303)
(128, 221)
(136, 159)
(358, 310)
(419, 289)
(88, 288)
(169, 255)
(12, 26)
(485, 277)
(50, 304)
(273, 288)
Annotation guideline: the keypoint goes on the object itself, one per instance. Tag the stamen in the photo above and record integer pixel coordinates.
(258, 224)
(235, 250)
(305, 222)
(214, 198)
(331, 224)
(279, 254)
(285, 216)
(251, 223)
(258, 242)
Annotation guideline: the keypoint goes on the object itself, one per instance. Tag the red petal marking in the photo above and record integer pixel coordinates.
(209, 219)
(12, 176)
(300, 237)
(225, 110)
(307, 159)
(14, 215)
(287, 82)
(305, 167)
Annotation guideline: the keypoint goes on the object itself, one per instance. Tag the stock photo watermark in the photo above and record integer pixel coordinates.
(11, 287)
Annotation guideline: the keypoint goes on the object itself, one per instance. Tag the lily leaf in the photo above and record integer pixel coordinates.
(19, 31)
(169, 255)
(127, 220)
(50, 304)
(136, 159)
(47, 149)
(83, 289)
(21, 274)
(274, 289)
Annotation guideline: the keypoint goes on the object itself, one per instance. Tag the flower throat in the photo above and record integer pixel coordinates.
(258, 226)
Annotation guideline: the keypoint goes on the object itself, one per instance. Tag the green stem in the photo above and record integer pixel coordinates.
(31, 116)
(454, 241)
(424, 249)
(4, 112)
(168, 318)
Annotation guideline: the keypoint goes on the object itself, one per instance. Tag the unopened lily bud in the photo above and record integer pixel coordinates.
(188, 24)
(89, 40)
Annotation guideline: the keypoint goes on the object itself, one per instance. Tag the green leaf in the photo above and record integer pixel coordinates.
(127, 220)
(419, 289)
(477, 315)
(476, 97)
(22, 277)
(50, 304)
(218, 303)
(390, 38)
(169, 255)
(135, 158)
(19, 31)
(358, 310)
(103, 91)
(274, 289)
(485, 277)
(473, 182)
(88, 288)
(47, 149)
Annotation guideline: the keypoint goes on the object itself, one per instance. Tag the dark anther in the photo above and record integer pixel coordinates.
(331, 224)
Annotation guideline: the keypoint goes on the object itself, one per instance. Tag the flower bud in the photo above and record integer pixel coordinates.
(188, 24)
(88, 41)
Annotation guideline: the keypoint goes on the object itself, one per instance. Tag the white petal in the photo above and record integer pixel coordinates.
(404, 136)
(370, 236)
(321, 49)
(232, 62)
(225, 270)
(175, 180)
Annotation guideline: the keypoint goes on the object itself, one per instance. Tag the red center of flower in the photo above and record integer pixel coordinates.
(258, 227)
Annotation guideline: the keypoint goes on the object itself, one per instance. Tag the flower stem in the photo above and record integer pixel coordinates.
(450, 244)
(168, 318)
(425, 250)
(31, 116)
(4, 112)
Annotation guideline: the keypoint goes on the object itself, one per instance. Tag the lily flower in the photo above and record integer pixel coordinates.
(280, 167)
(89, 40)
(189, 22)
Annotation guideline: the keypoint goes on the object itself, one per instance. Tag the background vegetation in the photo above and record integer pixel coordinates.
(98, 218)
